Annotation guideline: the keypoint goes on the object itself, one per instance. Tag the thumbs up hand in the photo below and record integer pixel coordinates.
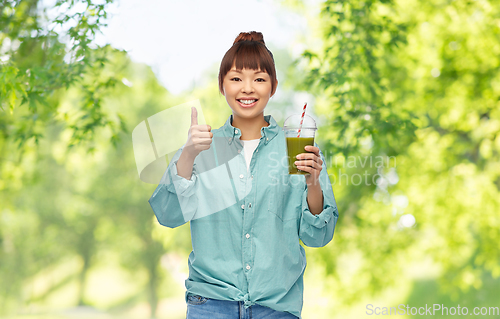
(199, 136)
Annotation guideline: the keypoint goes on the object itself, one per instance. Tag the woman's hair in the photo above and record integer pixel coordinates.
(249, 51)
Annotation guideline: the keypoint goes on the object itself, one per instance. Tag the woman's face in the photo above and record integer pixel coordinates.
(247, 92)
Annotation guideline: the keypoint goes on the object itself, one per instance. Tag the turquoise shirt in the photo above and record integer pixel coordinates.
(246, 225)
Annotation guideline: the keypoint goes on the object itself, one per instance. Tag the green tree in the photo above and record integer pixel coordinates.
(43, 52)
(416, 82)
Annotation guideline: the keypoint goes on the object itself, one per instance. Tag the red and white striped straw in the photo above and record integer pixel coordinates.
(302, 119)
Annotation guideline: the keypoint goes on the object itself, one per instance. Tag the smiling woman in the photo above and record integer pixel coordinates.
(247, 261)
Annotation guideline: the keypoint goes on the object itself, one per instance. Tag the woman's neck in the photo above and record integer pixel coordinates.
(250, 128)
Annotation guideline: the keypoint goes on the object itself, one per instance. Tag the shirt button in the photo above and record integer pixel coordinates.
(267, 139)
(236, 131)
(241, 176)
(249, 205)
(247, 235)
(243, 206)
(248, 267)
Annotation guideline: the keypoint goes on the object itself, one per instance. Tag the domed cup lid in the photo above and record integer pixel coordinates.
(293, 122)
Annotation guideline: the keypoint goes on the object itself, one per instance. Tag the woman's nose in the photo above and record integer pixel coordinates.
(247, 87)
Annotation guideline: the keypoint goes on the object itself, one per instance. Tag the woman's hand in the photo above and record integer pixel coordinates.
(199, 139)
(311, 163)
(199, 136)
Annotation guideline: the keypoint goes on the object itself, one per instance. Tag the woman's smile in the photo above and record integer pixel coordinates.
(247, 102)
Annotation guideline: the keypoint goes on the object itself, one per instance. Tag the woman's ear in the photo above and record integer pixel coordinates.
(275, 87)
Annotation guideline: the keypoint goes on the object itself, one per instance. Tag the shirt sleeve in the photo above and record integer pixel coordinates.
(317, 230)
(174, 201)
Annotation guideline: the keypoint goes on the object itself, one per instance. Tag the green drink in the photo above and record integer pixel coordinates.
(299, 132)
(295, 146)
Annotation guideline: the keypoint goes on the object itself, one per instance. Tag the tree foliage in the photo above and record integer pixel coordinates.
(417, 82)
(71, 204)
(44, 51)
(55, 91)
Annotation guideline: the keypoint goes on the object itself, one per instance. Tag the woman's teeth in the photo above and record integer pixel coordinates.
(247, 101)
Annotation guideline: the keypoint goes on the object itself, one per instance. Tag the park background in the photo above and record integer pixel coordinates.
(416, 83)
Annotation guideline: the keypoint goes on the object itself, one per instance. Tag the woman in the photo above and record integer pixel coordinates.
(247, 213)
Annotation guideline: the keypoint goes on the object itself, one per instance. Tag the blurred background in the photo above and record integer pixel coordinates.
(407, 96)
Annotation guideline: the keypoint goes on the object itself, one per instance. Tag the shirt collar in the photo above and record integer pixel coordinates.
(267, 132)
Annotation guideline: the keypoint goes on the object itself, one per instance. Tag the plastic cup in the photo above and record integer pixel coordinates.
(295, 145)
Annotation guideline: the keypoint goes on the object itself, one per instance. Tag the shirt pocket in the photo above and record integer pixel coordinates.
(196, 300)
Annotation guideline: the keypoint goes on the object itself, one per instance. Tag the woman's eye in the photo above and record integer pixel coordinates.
(260, 80)
(235, 79)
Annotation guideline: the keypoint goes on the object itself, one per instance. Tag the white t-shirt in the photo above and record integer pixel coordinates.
(248, 149)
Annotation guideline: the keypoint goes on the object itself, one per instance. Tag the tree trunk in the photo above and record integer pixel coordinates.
(86, 249)
(82, 280)
(153, 289)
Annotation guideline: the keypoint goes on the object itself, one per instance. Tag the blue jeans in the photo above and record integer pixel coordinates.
(199, 307)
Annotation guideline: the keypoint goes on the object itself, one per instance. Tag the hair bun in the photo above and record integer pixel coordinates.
(250, 36)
